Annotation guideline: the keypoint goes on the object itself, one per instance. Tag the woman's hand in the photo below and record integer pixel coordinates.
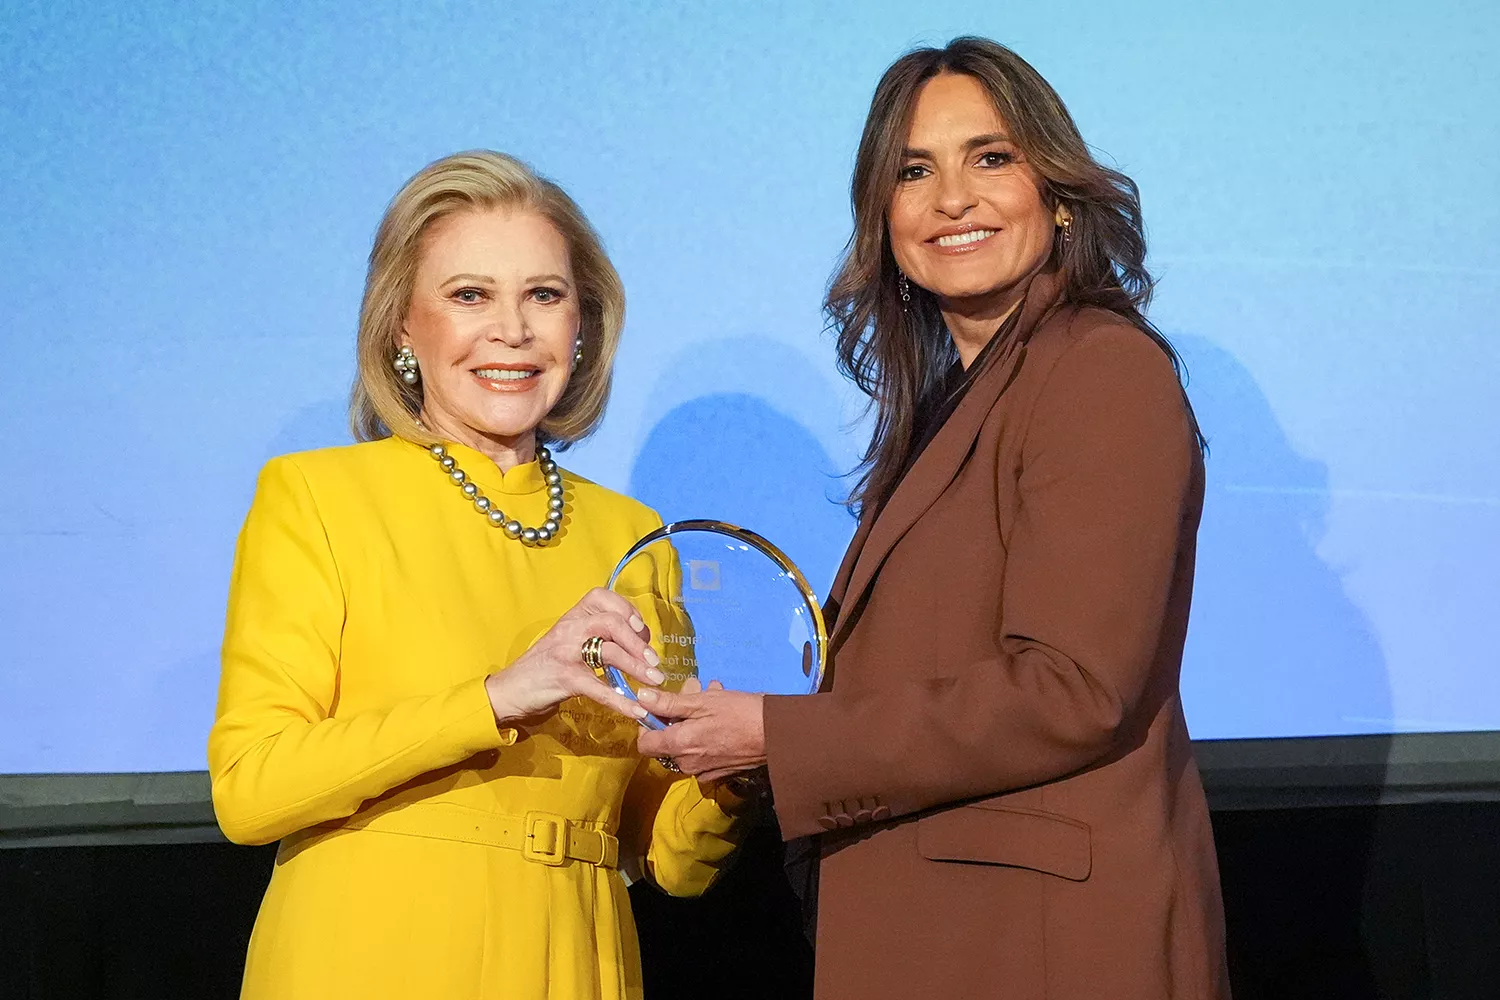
(552, 670)
(717, 734)
(745, 787)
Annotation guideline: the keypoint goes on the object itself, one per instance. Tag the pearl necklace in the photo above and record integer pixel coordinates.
(496, 516)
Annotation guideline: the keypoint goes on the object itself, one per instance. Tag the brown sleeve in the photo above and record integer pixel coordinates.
(1107, 465)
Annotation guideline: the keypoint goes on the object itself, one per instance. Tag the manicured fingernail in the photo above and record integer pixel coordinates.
(639, 712)
(655, 676)
(646, 695)
(651, 657)
(636, 623)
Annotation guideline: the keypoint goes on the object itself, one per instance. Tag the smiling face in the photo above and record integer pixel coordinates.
(493, 319)
(968, 220)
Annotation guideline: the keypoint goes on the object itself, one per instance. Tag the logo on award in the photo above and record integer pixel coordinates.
(703, 574)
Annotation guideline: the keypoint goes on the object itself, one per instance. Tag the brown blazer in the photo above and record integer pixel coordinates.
(1000, 769)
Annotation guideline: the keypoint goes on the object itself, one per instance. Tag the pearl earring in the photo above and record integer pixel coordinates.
(405, 364)
(578, 350)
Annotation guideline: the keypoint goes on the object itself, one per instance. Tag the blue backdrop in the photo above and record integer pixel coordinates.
(189, 191)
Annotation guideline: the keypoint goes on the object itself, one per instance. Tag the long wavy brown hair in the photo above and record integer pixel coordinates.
(898, 356)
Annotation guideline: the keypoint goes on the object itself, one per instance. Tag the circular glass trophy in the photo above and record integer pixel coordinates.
(725, 605)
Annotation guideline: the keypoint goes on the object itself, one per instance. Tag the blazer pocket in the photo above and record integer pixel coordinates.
(1005, 835)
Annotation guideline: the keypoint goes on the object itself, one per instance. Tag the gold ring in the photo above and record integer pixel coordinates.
(591, 658)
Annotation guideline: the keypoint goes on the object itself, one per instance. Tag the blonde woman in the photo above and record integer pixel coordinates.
(407, 702)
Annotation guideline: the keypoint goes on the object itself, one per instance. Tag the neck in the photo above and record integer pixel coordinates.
(505, 452)
(972, 330)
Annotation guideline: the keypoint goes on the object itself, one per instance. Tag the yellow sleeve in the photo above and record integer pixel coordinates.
(685, 836)
(278, 760)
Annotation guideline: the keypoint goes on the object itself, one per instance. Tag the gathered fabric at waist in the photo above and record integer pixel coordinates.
(541, 837)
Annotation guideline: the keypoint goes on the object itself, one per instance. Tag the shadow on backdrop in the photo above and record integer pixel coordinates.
(733, 458)
(1277, 648)
(731, 438)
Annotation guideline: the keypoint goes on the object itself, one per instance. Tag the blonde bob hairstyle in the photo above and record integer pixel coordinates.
(381, 404)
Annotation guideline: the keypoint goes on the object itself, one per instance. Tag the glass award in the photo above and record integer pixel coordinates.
(725, 605)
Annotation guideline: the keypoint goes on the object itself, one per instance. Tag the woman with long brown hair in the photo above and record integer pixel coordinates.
(999, 770)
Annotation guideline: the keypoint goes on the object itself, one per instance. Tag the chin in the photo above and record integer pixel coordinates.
(963, 291)
(502, 422)
(510, 428)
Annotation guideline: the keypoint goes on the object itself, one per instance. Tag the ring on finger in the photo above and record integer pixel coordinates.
(591, 658)
(669, 764)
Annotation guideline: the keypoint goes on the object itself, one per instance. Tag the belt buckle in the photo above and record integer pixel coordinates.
(546, 839)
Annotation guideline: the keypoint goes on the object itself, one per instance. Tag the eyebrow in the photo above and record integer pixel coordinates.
(484, 279)
(988, 138)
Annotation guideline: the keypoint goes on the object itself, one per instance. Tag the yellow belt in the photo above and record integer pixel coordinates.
(542, 837)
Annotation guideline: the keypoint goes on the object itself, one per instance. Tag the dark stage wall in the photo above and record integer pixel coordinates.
(1359, 901)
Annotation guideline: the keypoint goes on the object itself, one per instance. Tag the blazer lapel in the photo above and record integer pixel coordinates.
(937, 466)
(846, 568)
(833, 605)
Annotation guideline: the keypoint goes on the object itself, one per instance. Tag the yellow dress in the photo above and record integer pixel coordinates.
(369, 601)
